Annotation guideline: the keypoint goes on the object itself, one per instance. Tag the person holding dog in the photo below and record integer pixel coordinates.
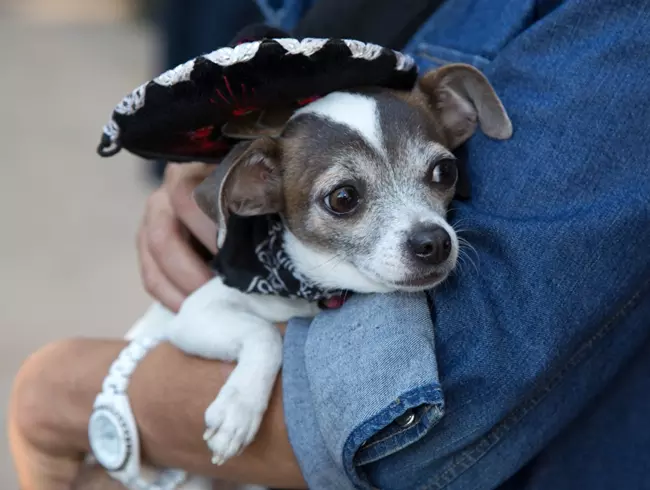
(536, 375)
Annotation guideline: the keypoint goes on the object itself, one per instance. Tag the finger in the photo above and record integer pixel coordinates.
(181, 180)
(169, 247)
(155, 282)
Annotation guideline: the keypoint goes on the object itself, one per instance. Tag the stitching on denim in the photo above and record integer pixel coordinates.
(466, 460)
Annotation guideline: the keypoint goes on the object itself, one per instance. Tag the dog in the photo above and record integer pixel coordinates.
(362, 180)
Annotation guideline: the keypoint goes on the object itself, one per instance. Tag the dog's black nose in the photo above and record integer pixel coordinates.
(431, 245)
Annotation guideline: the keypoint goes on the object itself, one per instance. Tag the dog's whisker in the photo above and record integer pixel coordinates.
(467, 245)
(458, 229)
(459, 270)
(464, 256)
(455, 222)
(464, 250)
(327, 262)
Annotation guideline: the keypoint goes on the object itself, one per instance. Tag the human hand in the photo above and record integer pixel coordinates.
(171, 268)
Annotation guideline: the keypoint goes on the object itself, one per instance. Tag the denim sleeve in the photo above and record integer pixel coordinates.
(382, 385)
(553, 297)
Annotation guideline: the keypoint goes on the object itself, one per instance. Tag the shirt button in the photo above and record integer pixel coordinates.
(406, 420)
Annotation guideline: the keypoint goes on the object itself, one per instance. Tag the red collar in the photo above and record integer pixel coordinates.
(334, 302)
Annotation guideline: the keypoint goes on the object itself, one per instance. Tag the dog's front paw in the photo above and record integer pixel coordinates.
(232, 420)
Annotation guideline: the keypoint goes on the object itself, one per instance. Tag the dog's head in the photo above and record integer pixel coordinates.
(363, 180)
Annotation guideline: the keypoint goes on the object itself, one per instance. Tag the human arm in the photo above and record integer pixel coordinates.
(55, 390)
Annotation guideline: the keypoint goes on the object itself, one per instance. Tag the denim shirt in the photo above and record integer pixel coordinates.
(283, 14)
(460, 388)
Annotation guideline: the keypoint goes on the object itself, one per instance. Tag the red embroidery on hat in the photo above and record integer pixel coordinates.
(308, 100)
(225, 79)
(222, 96)
(242, 111)
(200, 133)
(204, 146)
(201, 140)
(246, 107)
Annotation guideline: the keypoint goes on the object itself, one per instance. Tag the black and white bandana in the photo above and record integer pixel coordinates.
(253, 260)
(179, 116)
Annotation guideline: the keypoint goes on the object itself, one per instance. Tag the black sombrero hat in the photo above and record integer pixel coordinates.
(180, 115)
(199, 110)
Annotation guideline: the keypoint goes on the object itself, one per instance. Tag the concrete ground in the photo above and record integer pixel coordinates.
(68, 218)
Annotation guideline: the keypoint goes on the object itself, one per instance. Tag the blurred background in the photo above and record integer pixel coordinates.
(67, 257)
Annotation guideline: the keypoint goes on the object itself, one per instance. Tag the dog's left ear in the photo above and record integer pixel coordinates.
(248, 183)
(461, 98)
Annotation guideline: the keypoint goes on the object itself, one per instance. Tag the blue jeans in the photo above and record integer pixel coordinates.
(462, 388)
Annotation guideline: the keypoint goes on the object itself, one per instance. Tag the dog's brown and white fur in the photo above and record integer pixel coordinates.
(362, 180)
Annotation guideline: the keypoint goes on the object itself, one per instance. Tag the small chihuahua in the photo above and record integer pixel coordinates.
(362, 181)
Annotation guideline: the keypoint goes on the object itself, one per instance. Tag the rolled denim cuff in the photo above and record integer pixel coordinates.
(360, 383)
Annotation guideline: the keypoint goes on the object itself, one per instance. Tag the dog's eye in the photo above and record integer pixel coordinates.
(343, 200)
(444, 172)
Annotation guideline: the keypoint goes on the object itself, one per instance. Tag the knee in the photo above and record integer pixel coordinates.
(34, 391)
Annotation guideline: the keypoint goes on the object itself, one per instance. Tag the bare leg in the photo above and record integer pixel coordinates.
(44, 460)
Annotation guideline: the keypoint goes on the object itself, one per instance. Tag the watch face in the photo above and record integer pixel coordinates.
(109, 439)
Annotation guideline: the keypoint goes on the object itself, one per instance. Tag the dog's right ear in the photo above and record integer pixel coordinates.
(248, 182)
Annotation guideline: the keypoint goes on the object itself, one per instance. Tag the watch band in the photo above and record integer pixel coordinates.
(112, 408)
(119, 374)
